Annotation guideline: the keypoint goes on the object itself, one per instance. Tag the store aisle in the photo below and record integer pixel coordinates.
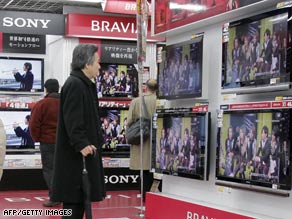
(117, 205)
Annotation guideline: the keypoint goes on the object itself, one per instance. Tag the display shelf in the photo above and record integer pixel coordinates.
(33, 161)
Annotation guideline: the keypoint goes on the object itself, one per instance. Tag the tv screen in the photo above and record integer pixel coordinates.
(180, 143)
(117, 80)
(256, 50)
(180, 73)
(17, 129)
(254, 148)
(21, 74)
(113, 122)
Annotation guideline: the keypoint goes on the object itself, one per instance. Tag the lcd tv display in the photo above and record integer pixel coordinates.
(17, 129)
(254, 148)
(179, 144)
(257, 51)
(15, 76)
(114, 123)
(180, 73)
(117, 80)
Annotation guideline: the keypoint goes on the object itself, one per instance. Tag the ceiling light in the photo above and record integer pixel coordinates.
(8, 3)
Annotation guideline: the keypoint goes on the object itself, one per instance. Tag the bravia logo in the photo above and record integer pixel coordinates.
(25, 22)
(118, 179)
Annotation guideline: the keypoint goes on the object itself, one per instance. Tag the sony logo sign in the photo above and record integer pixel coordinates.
(115, 179)
(25, 22)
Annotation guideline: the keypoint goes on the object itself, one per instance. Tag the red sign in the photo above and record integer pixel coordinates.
(122, 7)
(256, 105)
(105, 27)
(170, 14)
(160, 207)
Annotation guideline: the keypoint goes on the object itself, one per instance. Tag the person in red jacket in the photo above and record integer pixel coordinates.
(43, 127)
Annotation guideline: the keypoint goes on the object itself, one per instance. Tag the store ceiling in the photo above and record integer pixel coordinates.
(42, 6)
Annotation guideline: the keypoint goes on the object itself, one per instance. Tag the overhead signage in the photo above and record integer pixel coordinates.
(122, 7)
(32, 23)
(176, 13)
(112, 51)
(24, 43)
(105, 27)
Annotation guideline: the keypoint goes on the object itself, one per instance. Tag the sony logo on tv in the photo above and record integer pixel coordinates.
(118, 179)
(25, 22)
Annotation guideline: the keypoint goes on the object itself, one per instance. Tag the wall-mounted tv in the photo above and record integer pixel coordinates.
(180, 143)
(254, 148)
(180, 73)
(17, 129)
(257, 51)
(117, 80)
(113, 123)
(21, 74)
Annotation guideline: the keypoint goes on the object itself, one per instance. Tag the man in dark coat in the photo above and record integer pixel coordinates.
(79, 134)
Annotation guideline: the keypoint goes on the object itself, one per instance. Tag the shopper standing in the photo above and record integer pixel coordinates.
(79, 134)
(2, 147)
(135, 150)
(43, 126)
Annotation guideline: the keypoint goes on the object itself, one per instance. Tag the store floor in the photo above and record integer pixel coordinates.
(117, 205)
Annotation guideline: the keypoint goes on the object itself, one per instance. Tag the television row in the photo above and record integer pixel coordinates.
(253, 146)
(256, 53)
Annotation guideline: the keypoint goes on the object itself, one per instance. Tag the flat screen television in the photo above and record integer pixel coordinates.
(113, 122)
(180, 143)
(180, 72)
(18, 136)
(254, 148)
(257, 51)
(13, 76)
(117, 80)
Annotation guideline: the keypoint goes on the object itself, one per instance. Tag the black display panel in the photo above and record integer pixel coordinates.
(180, 72)
(257, 51)
(180, 143)
(16, 125)
(254, 148)
(113, 122)
(14, 78)
(117, 80)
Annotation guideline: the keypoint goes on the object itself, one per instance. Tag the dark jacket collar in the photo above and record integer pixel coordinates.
(53, 95)
(82, 76)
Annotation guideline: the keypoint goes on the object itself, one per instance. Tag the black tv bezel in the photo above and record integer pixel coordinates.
(261, 85)
(120, 97)
(249, 184)
(117, 152)
(181, 113)
(13, 149)
(198, 39)
(24, 60)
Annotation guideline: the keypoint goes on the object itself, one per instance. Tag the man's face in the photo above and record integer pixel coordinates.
(93, 69)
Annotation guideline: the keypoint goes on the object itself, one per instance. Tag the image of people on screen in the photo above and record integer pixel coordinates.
(24, 133)
(116, 80)
(180, 150)
(114, 132)
(25, 79)
(181, 72)
(257, 50)
(257, 153)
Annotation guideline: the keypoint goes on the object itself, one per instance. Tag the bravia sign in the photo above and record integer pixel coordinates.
(32, 23)
(105, 27)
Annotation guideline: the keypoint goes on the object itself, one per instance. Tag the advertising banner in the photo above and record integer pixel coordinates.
(32, 23)
(170, 14)
(105, 27)
(24, 43)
